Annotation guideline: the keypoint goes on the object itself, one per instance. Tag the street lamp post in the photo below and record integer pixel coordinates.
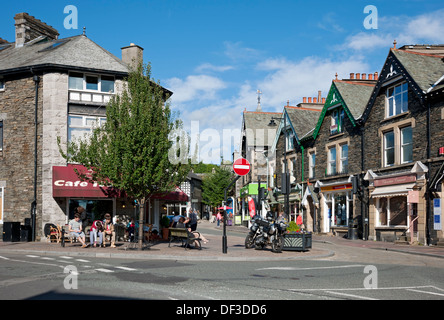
(285, 177)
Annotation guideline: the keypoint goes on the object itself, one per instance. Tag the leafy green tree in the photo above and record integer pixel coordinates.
(213, 186)
(130, 152)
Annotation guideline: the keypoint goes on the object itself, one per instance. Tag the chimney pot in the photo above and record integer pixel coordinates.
(323, 100)
(358, 76)
(370, 76)
(309, 99)
(319, 95)
(352, 75)
(315, 100)
(363, 76)
(304, 99)
(376, 75)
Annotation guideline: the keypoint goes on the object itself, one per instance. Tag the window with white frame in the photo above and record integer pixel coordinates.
(398, 145)
(391, 211)
(344, 158)
(406, 145)
(389, 149)
(311, 164)
(80, 127)
(290, 140)
(332, 161)
(397, 100)
(337, 121)
(89, 82)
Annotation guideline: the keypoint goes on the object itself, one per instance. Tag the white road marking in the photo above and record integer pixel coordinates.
(313, 268)
(82, 260)
(4, 258)
(104, 270)
(66, 257)
(32, 256)
(427, 292)
(126, 268)
(350, 295)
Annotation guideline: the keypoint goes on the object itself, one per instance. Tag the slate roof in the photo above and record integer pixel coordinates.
(425, 69)
(78, 52)
(355, 94)
(302, 120)
(257, 130)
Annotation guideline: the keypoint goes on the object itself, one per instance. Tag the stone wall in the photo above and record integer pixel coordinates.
(17, 110)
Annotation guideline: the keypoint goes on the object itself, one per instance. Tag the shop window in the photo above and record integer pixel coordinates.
(397, 100)
(340, 209)
(95, 209)
(392, 211)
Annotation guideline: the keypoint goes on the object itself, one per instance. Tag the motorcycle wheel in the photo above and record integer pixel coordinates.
(277, 244)
(249, 241)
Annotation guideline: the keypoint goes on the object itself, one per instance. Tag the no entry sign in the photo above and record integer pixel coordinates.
(241, 166)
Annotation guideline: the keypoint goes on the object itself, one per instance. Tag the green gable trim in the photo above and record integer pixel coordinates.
(334, 98)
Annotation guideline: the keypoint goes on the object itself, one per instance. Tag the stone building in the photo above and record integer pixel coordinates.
(52, 88)
(299, 121)
(403, 125)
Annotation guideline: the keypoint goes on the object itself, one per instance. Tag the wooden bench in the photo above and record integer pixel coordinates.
(186, 236)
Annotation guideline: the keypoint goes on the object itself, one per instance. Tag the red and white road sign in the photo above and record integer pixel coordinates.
(241, 166)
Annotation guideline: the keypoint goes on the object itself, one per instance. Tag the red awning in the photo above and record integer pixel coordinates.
(177, 195)
(66, 183)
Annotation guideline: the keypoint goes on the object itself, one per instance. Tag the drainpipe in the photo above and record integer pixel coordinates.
(429, 194)
(34, 202)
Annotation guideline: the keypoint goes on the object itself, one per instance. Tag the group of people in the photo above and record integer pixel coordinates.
(99, 229)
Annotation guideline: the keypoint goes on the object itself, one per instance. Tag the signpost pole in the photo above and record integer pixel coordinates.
(224, 237)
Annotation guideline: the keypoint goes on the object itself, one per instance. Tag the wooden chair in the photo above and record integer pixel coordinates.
(54, 234)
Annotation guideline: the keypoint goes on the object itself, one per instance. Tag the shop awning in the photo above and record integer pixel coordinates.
(393, 190)
(177, 196)
(66, 184)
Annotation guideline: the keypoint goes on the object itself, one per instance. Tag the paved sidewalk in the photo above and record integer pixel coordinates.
(213, 249)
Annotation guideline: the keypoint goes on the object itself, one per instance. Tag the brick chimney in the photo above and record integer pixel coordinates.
(28, 28)
(132, 55)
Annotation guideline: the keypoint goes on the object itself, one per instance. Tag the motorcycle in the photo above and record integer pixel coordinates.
(265, 232)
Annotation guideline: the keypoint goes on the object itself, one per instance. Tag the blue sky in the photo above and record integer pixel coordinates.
(214, 55)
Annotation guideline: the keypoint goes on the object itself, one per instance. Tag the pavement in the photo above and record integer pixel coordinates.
(212, 250)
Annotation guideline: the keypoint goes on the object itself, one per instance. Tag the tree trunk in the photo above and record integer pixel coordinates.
(141, 219)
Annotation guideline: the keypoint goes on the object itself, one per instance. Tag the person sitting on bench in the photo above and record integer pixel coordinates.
(75, 230)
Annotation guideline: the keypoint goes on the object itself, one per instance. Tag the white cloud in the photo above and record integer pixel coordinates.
(194, 87)
(423, 29)
(292, 80)
(210, 67)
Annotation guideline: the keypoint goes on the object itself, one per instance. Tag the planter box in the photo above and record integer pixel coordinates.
(297, 242)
